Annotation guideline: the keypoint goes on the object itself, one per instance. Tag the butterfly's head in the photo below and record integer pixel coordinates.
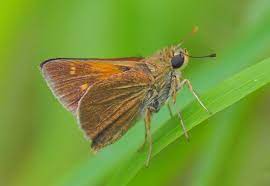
(181, 57)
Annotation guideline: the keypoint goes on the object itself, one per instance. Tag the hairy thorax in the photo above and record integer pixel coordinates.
(159, 66)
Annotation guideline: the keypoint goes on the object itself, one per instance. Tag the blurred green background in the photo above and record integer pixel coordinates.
(40, 143)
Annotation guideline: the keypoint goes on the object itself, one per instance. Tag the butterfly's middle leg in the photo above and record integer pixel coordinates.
(169, 108)
(175, 86)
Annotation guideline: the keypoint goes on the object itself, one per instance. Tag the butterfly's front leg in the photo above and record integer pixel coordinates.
(187, 82)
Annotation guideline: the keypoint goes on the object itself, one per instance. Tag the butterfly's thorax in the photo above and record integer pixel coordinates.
(162, 72)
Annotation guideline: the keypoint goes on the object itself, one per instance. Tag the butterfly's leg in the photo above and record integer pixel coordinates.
(147, 121)
(181, 122)
(170, 110)
(173, 85)
(183, 126)
(145, 139)
(187, 82)
(177, 85)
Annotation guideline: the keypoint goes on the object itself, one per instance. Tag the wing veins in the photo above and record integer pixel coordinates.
(132, 102)
(119, 107)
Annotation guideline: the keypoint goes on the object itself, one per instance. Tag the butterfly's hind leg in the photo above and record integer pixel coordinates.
(147, 137)
(147, 121)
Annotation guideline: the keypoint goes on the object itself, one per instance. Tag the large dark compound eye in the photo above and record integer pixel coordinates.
(177, 60)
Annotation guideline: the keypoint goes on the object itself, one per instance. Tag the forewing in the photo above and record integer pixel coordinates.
(109, 108)
(69, 79)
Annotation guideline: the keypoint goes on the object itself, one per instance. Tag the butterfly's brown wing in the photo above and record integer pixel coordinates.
(69, 79)
(109, 108)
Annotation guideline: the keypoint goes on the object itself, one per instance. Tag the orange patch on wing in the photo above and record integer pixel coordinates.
(72, 70)
(105, 68)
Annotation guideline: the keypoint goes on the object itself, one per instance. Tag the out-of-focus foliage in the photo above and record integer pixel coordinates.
(40, 143)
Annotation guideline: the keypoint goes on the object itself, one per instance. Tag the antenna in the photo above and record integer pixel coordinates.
(210, 55)
(193, 31)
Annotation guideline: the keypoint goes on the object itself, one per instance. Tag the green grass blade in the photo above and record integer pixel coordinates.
(222, 96)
